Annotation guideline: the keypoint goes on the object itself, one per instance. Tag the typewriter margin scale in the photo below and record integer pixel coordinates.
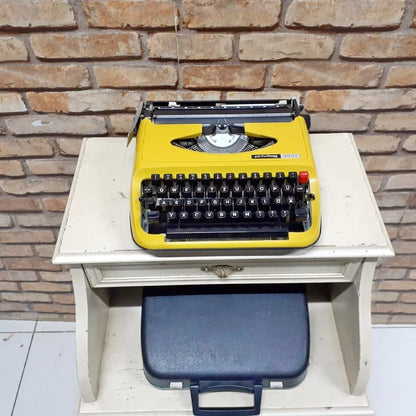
(108, 270)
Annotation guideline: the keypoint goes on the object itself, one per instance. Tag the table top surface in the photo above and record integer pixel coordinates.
(96, 224)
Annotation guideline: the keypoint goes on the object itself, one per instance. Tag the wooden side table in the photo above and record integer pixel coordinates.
(109, 270)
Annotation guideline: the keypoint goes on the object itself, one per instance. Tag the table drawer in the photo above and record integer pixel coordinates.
(211, 272)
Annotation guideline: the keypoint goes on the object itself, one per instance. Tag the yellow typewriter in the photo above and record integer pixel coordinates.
(228, 174)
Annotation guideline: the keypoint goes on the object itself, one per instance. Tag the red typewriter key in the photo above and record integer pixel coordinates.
(303, 176)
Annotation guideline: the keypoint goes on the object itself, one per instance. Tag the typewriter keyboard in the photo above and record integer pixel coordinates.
(226, 206)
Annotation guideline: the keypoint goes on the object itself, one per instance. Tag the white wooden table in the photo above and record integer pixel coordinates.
(108, 271)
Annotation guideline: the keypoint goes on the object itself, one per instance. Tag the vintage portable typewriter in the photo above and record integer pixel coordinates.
(226, 174)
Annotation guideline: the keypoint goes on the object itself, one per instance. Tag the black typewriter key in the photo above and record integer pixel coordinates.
(279, 202)
(255, 177)
(199, 191)
(267, 177)
(264, 202)
(224, 190)
(193, 178)
(300, 192)
(147, 191)
(221, 215)
(293, 177)
(261, 190)
(247, 215)
(174, 191)
(189, 204)
(215, 204)
(242, 178)
(217, 178)
(274, 190)
(285, 215)
(171, 217)
(252, 204)
(237, 191)
(162, 204)
(260, 215)
(227, 204)
(211, 191)
(280, 177)
(205, 178)
(202, 204)
(272, 214)
(168, 179)
(291, 201)
(196, 215)
(155, 178)
(180, 178)
(249, 191)
(183, 215)
(186, 191)
(176, 204)
(287, 189)
(230, 177)
(209, 215)
(234, 215)
(240, 203)
(149, 202)
(162, 191)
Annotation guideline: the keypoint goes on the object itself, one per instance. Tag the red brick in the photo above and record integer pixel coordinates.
(206, 14)
(403, 319)
(398, 285)
(18, 275)
(121, 123)
(86, 45)
(344, 14)
(353, 100)
(12, 49)
(26, 297)
(401, 261)
(403, 181)
(388, 163)
(19, 205)
(325, 74)
(33, 76)
(191, 47)
(398, 121)
(55, 204)
(25, 147)
(39, 220)
(13, 307)
(409, 216)
(66, 299)
(173, 95)
(383, 274)
(55, 276)
(29, 236)
(46, 307)
(46, 287)
(408, 297)
(379, 46)
(45, 250)
(11, 168)
(401, 76)
(379, 143)
(36, 14)
(57, 124)
(8, 286)
(83, 101)
(11, 103)
(395, 308)
(8, 250)
(224, 77)
(339, 122)
(408, 232)
(392, 199)
(375, 182)
(278, 46)
(405, 247)
(34, 186)
(410, 144)
(263, 95)
(69, 147)
(5, 221)
(52, 167)
(392, 216)
(130, 13)
(136, 76)
(385, 296)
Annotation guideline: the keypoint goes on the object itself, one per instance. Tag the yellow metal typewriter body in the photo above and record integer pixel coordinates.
(223, 175)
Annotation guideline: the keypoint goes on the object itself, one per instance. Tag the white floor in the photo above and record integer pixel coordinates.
(38, 374)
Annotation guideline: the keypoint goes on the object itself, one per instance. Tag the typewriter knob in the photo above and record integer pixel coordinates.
(222, 270)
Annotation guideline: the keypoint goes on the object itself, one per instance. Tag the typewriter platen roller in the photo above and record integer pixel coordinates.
(227, 174)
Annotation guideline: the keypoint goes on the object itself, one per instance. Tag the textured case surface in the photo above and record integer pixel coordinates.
(254, 333)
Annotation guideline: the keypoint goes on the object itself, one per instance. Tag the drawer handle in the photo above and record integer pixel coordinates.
(222, 270)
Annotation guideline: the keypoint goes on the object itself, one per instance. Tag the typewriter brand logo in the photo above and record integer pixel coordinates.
(277, 156)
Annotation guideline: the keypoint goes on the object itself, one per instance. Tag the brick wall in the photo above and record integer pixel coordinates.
(72, 68)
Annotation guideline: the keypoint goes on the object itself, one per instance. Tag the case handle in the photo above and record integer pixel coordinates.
(222, 270)
(256, 389)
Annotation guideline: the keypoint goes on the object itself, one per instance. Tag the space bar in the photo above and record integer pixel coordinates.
(227, 232)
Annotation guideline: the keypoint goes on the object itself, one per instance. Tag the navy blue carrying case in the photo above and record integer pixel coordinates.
(225, 338)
